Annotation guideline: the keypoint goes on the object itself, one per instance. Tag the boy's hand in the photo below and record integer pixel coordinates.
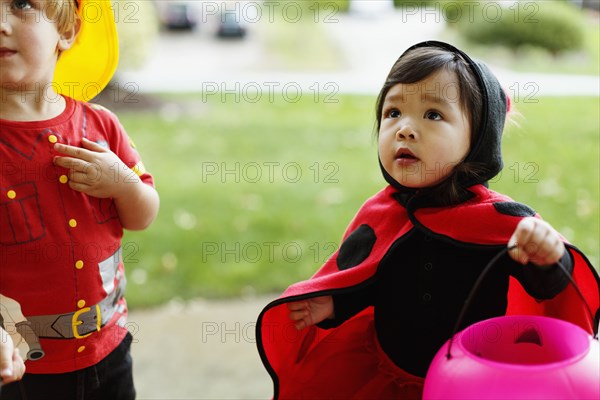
(95, 170)
(311, 311)
(12, 366)
(537, 242)
(99, 172)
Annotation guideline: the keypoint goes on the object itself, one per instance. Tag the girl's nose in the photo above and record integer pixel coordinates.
(406, 132)
(5, 28)
(3, 23)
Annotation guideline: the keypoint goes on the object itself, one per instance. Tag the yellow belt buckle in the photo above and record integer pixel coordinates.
(75, 322)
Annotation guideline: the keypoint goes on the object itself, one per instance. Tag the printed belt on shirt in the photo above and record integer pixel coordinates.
(87, 320)
(75, 325)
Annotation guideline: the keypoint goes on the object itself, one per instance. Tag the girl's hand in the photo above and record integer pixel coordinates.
(311, 311)
(95, 170)
(12, 366)
(537, 242)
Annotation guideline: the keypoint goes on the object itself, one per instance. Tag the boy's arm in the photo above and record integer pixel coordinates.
(12, 366)
(98, 172)
(137, 206)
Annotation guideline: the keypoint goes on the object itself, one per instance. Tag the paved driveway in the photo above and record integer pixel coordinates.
(199, 350)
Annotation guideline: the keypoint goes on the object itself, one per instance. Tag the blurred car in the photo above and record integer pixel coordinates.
(229, 26)
(178, 16)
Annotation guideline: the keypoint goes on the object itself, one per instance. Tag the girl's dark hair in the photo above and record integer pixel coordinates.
(418, 64)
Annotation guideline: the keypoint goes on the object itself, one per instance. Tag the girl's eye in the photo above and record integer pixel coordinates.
(22, 4)
(393, 113)
(433, 115)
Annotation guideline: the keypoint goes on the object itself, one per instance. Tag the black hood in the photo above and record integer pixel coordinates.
(486, 150)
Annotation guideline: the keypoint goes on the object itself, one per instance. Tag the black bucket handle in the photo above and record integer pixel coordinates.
(479, 280)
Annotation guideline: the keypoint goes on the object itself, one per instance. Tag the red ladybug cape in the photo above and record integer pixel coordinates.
(288, 354)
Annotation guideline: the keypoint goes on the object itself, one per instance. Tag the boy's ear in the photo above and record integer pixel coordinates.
(68, 37)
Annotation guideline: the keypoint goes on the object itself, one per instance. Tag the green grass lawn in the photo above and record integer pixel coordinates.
(255, 196)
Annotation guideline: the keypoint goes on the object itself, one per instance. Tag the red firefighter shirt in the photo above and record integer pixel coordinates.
(61, 264)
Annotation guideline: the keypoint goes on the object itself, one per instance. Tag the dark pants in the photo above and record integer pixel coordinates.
(110, 379)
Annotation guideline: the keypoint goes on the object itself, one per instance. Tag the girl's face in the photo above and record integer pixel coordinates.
(29, 44)
(424, 132)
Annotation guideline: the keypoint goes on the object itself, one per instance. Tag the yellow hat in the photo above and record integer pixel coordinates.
(86, 68)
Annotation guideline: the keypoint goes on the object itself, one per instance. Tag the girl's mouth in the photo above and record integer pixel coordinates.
(405, 157)
(409, 156)
(405, 154)
(5, 52)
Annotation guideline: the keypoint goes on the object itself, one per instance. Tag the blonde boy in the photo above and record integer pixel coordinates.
(70, 182)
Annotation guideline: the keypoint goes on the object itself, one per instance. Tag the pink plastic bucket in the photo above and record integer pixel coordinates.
(517, 357)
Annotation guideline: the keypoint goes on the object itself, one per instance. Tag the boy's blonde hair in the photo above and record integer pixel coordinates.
(63, 13)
